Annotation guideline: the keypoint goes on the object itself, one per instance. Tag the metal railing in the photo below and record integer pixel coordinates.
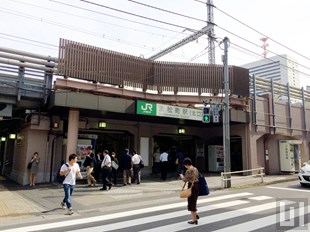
(226, 176)
(25, 75)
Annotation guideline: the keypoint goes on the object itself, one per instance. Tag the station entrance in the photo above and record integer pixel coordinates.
(174, 143)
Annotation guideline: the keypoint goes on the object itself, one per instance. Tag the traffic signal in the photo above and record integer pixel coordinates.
(206, 115)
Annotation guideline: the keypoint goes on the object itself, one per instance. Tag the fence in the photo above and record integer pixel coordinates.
(226, 176)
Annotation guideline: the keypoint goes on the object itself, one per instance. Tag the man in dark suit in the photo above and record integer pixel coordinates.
(127, 165)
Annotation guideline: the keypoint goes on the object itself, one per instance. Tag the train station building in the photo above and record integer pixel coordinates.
(92, 97)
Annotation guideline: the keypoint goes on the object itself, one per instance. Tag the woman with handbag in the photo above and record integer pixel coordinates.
(114, 167)
(191, 176)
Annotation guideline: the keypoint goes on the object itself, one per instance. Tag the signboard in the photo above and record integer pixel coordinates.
(146, 108)
(161, 110)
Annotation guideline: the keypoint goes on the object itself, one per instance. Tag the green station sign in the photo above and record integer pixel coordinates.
(162, 110)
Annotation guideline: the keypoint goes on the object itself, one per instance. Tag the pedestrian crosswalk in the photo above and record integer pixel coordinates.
(231, 212)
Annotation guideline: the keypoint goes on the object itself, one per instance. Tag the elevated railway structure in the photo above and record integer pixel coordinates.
(52, 102)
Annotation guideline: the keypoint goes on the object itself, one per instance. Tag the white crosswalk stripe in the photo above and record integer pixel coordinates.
(123, 214)
(257, 224)
(232, 209)
(182, 212)
(216, 218)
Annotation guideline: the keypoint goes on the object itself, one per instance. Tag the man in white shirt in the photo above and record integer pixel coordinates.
(106, 171)
(70, 170)
(164, 164)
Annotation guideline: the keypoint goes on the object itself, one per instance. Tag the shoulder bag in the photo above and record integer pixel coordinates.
(114, 165)
(141, 164)
(29, 165)
(203, 186)
(186, 193)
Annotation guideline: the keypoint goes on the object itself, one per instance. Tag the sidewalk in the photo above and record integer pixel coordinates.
(24, 204)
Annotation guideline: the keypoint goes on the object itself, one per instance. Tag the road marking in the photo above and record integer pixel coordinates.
(142, 220)
(122, 214)
(216, 218)
(260, 198)
(289, 189)
(261, 222)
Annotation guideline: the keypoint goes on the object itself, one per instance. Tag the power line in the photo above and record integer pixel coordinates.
(117, 39)
(272, 61)
(240, 37)
(168, 11)
(92, 19)
(244, 24)
(133, 14)
(117, 17)
(31, 40)
(77, 29)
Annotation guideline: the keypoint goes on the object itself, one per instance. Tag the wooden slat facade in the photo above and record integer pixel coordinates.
(90, 63)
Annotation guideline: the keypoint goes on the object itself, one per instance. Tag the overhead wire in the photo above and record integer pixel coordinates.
(168, 11)
(82, 30)
(78, 29)
(272, 61)
(118, 40)
(248, 41)
(246, 25)
(157, 8)
(95, 20)
(133, 14)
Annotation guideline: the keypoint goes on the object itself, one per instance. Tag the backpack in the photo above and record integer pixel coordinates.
(60, 179)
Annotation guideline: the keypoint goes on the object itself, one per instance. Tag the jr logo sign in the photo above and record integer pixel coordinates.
(146, 108)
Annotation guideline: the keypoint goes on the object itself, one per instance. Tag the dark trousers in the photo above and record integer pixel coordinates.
(164, 170)
(97, 171)
(106, 176)
(136, 170)
(114, 176)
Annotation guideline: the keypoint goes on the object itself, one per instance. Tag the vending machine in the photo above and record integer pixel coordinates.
(290, 160)
(215, 158)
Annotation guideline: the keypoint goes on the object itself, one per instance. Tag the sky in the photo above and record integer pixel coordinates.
(145, 27)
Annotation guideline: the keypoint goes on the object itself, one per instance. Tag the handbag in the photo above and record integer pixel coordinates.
(186, 193)
(203, 186)
(29, 165)
(141, 164)
(114, 165)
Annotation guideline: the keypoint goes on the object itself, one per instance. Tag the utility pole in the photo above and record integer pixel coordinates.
(211, 45)
(208, 29)
(226, 120)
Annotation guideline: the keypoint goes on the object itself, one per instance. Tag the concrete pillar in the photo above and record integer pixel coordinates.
(73, 130)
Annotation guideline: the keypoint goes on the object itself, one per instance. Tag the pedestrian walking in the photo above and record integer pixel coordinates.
(89, 164)
(156, 157)
(191, 176)
(136, 167)
(35, 160)
(106, 171)
(179, 157)
(97, 168)
(164, 164)
(70, 170)
(114, 170)
(127, 167)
